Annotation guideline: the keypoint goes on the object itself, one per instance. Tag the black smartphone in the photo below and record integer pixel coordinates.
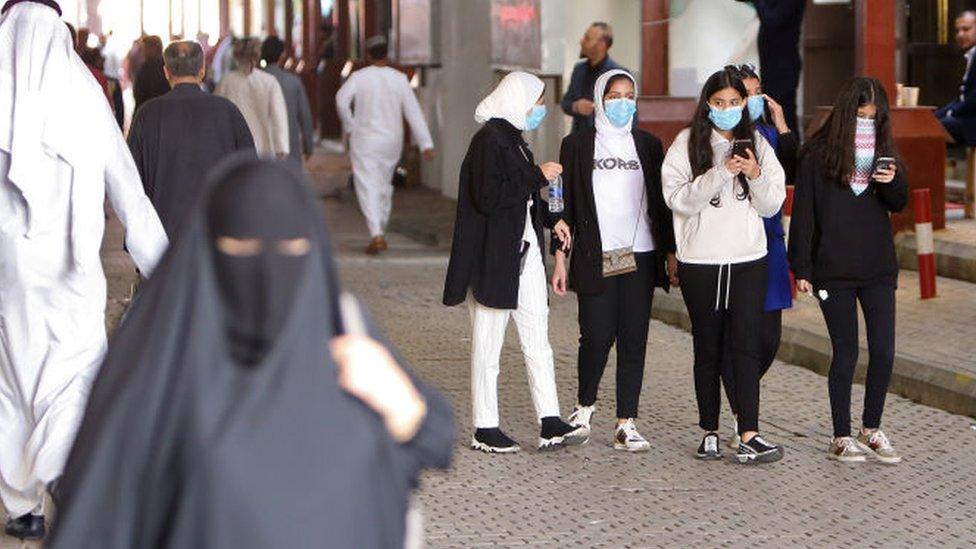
(740, 146)
(883, 163)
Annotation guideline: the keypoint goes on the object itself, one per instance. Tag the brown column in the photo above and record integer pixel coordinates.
(247, 18)
(875, 42)
(654, 47)
(224, 17)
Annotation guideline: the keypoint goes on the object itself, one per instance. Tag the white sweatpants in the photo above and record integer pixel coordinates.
(488, 334)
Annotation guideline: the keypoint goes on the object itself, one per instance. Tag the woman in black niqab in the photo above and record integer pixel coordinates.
(217, 419)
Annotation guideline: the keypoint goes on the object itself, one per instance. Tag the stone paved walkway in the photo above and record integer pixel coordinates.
(593, 496)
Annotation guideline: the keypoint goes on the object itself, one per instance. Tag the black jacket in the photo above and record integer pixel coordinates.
(496, 181)
(586, 258)
(839, 239)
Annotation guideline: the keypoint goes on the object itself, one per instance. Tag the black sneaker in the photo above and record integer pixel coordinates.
(757, 450)
(493, 441)
(708, 449)
(556, 433)
(26, 527)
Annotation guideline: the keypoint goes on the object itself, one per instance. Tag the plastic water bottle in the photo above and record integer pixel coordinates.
(556, 195)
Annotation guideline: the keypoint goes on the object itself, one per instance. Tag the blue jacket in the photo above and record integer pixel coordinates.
(581, 85)
(779, 291)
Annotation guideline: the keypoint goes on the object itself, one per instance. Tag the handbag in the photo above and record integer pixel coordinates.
(622, 260)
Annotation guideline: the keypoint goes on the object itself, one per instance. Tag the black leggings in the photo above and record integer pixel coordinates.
(720, 298)
(621, 315)
(840, 313)
(771, 331)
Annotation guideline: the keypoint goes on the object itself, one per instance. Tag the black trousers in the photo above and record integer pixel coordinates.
(840, 313)
(770, 333)
(621, 315)
(726, 299)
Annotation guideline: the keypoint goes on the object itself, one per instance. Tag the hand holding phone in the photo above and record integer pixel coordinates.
(884, 169)
(740, 146)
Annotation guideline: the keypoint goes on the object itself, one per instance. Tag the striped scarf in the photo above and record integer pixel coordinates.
(863, 155)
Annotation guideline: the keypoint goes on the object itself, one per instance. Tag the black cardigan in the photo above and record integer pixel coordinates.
(495, 183)
(586, 258)
(839, 239)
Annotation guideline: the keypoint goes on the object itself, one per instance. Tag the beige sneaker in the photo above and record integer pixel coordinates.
(626, 437)
(878, 445)
(846, 449)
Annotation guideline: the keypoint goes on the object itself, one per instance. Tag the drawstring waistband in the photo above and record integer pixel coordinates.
(728, 285)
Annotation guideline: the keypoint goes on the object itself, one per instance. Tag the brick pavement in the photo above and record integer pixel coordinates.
(592, 496)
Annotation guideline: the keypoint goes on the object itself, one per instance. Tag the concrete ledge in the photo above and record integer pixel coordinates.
(929, 384)
(952, 259)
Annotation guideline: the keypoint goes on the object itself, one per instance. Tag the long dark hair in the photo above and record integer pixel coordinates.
(700, 140)
(834, 141)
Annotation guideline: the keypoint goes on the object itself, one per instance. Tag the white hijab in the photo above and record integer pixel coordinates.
(511, 99)
(50, 107)
(603, 125)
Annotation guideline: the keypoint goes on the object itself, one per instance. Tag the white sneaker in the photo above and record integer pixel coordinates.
(581, 418)
(735, 439)
(847, 450)
(627, 438)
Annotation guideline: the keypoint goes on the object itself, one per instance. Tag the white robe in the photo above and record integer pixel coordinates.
(382, 98)
(61, 153)
(260, 99)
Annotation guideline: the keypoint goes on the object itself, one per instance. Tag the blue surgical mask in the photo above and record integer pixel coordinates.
(620, 111)
(757, 105)
(727, 119)
(534, 119)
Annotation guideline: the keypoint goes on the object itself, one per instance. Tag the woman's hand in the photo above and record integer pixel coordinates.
(673, 270)
(560, 277)
(563, 234)
(368, 372)
(749, 166)
(779, 119)
(551, 170)
(734, 165)
(885, 175)
(803, 286)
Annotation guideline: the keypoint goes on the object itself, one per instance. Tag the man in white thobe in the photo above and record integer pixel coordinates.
(258, 96)
(61, 153)
(382, 98)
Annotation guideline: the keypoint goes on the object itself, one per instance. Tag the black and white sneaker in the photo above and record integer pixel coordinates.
(758, 450)
(493, 441)
(557, 433)
(708, 449)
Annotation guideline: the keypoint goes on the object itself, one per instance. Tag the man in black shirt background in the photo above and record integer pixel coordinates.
(594, 48)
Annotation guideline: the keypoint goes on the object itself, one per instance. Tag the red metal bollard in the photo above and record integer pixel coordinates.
(925, 242)
(787, 215)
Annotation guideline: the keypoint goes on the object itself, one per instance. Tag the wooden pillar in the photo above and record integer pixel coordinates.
(654, 47)
(875, 42)
(247, 17)
(289, 24)
(224, 15)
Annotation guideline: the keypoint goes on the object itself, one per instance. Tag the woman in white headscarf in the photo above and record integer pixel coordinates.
(624, 240)
(496, 260)
(61, 154)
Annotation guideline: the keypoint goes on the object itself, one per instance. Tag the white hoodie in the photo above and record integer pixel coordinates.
(733, 232)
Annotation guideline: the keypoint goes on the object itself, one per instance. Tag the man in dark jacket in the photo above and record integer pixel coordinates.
(594, 48)
(177, 138)
(959, 117)
(780, 23)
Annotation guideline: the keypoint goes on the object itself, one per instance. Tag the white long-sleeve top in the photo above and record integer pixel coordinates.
(382, 98)
(260, 99)
(732, 232)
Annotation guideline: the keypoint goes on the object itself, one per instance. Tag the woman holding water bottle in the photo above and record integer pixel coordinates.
(623, 249)
(496, 261)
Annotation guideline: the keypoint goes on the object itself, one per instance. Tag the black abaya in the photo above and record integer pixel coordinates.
(183, 445)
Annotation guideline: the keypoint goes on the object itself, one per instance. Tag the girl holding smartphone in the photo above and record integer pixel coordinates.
(719, 199)
(841, 250)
